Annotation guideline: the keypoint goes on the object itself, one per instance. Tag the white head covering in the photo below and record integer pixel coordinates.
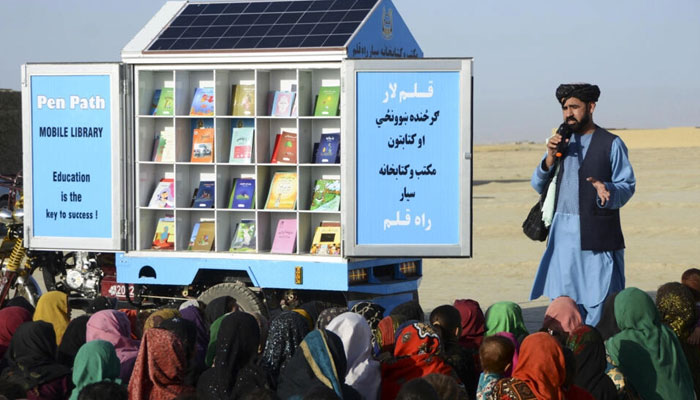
(363, 374)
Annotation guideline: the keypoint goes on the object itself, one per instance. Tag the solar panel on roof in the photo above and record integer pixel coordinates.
(263, 25)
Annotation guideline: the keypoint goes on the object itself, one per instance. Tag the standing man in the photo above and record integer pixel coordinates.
(584, 258)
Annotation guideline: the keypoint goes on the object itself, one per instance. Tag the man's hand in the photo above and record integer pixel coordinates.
(603, 192)
(694, 337)
(552, 149)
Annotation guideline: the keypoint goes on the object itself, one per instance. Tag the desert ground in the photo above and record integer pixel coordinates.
(661, 223)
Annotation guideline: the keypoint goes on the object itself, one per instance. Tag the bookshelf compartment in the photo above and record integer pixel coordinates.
(225, 80)
(308, 223)
(267, 228)
(148, 219)
(148, 129)
(184, 139)
(185, 221)
(227, 220)
(265, 181)
(148, 177)
(149, 82)
(266, 130)
(308, 175)
(310, 83)
(310, 136)
(186, 82)
(270, 81)
(225, 176)
(225, 138)
(187, 179)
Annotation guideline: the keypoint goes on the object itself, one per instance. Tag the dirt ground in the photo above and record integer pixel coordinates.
(661, 223)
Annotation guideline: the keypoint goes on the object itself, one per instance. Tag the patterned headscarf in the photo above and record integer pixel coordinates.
(159, 372)
(155, 319)
(372, 312)
(287, 331)
(417, 353)
(327, 316)
(52, 307)
(677, 308)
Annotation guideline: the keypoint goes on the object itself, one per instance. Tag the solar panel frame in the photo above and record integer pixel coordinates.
(262, 25)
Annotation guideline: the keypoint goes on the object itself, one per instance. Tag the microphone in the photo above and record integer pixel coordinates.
(565, 131)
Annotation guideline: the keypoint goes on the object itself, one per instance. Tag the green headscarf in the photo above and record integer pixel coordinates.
(648, 352)
(213, 333)
(505, 316)
(96, 361)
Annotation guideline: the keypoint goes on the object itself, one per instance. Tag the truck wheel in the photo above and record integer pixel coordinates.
(246, 299)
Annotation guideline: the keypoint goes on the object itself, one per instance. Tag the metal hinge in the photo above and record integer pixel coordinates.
(467, 156)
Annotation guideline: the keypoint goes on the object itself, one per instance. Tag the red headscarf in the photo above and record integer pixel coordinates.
(417, 354)
(387, 334)
(10, 319)
(541, 366)
(562, 315)
(473, 323)
(159, 372)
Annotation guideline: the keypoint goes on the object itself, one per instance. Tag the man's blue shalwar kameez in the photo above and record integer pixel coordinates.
(566, 270)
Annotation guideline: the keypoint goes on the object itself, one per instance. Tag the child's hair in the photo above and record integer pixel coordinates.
(691, 280)
(446, 319)
(417, 389)
(446, 387)
(496, 352)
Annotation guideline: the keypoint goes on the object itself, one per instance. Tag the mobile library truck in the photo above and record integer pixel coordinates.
(263, 150)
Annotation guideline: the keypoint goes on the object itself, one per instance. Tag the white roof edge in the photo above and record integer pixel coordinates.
(152, 28)
(137, 57)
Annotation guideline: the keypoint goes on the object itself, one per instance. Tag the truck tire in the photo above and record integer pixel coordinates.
(246, 299)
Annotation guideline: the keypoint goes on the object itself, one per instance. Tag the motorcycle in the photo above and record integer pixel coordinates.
(78, 274)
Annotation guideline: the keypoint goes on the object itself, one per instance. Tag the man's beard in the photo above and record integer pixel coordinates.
(576, 126)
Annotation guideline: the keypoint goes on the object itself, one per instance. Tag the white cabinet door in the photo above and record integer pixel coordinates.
(72, 144)
(407, 151)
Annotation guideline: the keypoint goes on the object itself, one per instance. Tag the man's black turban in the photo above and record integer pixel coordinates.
(583, 91)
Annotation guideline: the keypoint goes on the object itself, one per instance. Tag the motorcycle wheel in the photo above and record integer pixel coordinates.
(29, 289)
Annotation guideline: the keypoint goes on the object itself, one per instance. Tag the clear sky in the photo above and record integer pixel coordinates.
(644, 55)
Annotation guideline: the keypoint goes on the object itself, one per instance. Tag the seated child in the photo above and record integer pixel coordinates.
(496, 354)
(691, 280)
(447, 322)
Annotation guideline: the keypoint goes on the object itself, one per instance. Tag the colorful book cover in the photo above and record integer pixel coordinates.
(283, 191)
(327, 102)
(193, 236)
(243, 100)
(285, 236)
(164, 145)
(154, 102)
(164, 195)
(295, 107)
(205, 195)
(326, 195)
(166, 102)
(328, 149)
(202, 141)
(243, 193)
(204, 239)
(282, 104)
(326, 241)
(244, 237)
(242, 133)
(164, 239)
(285, 149)
(203, 101)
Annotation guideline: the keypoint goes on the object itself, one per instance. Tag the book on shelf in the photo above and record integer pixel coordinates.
(154, 102)
(285, 151)
(205, 195)
(203, 102)
(242, 194)
(164, 194)
(166, 102)
(164, 238)
(328, 149)
(326, 196)
(203, 236)
(326, 240)
(285, 236)
(242, 133)
(202, 140)
(327, 101)
(270, 101)
(282, 103)
(243, 100)
(164, 145)
(295, 107)
(283, 192)
(244, 237)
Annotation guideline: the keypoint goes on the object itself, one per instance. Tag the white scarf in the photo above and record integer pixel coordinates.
(548, 205)
(364, 373)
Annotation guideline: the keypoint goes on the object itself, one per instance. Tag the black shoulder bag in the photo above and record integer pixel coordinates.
(533, 226)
